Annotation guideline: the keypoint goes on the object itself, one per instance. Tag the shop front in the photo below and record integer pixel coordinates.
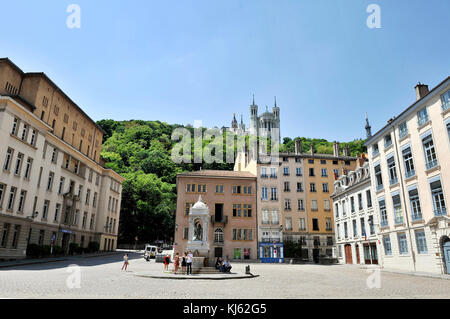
(271, 252)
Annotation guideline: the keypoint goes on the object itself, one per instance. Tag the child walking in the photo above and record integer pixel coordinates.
(125, 262)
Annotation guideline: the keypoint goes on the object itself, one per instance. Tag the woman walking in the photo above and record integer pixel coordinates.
(176, 263)
(183, 263)
(125, 262)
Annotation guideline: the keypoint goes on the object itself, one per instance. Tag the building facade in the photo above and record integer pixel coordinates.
(54, 189)
(230, 197)
(410, 176)
(294, 190)
(355, 220)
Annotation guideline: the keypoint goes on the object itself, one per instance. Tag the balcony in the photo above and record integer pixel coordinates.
(265, 222)
(422, 121)
(275, 222)
(384, 223)
(416, 216)
(273, 176)
(445, 106)
(398, 220)
(219, 220)
(410, 173)
(393, 181)
(431, 164)
(379, 187)
(440, 211)
(264, 176)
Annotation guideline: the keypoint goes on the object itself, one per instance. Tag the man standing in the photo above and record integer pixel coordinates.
(189, 262)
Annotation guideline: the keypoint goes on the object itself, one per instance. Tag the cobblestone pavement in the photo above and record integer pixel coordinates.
(102, 277)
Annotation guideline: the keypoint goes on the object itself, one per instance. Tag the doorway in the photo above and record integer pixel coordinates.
(446, 252)
(348, 254)
(218, 213)
(316, 253)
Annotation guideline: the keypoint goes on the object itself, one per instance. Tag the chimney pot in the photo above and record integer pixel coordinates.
(298, 146)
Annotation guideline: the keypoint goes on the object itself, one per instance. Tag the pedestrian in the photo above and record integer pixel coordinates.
(125, 262)
(227, 266)
(219, 263)
(176, 263)
(189, 262)
(183, 263)
(166, 263)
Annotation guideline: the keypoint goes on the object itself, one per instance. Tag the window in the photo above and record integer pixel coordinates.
(298, 160)
(298, 171)
(45, 209)
(218, 236)
(15, 126)
(219, 189)
(301, 224)
(337, 209)
(445, 98)
(299, 187)
(324, 172)
(402, 130)
(398, 214)
(57, 210)
(264, 193)
(247, 210)
(12, 195)
(369, 198)
(265, 216)
(312, 187)
(288, 223)
(275, 220)
(24, 132)
(311, 161)
(94, 200)
(300, 204)
(22, 197)
(408, 162)
(438, 197)
(360, 203)
(54, 155)
(387, 141)
(328, 224)
(75, 219)
(392, 171)
(91, 224)
(315, 223)
(355, 230)
(287, 204)
(378, 177)
(402, 244)
(236, 189)
(15, 237)
(416, 211)
(18, 164)
(33, 138)
(28, 167)
(5, 234)
(237, 210)
(273, 172)
(273, 193)
(263, 172)
(352, 204)
(336, 173)
(375, 150)
(430, 152)
(383, 213)
(286, 187)
(325, 187)
(363, 227)
(311, 172)
(83, 223)
(61, 185)
(371, 225)
(314, 205)
(186, 233)
(326, 204)
(88, 195)
(421, 242)
(422, 117)
(51, 175)
(286, 171)
(387, 245)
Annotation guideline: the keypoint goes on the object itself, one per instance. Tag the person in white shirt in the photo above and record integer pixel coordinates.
(189, 262)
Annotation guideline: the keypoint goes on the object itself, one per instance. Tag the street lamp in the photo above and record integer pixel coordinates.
(33, 215)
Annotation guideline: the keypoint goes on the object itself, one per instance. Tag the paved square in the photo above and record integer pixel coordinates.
(101, 277)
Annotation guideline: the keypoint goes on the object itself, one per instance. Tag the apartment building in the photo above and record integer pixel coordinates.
(54, 189)
(302, 205)
(355, 218)
(410, 173)
(230, 198)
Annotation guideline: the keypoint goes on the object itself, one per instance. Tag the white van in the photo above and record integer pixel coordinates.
(150, 252)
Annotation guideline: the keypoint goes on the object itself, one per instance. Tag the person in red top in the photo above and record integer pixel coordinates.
(166, 262)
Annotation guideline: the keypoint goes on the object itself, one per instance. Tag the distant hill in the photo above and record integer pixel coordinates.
(140, 151)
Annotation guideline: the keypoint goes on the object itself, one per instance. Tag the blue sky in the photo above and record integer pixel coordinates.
(178, 61)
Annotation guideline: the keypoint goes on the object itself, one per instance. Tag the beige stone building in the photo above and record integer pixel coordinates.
(294, 199)
(410, 174)
(230, 197)
(54, 189)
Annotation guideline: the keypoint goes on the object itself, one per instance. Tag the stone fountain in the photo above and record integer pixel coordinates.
(198, 242)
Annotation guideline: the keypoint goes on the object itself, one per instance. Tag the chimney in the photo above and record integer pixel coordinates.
(336, 149)
(346, 150)
(311, 149)
(421, 90)
(298, 146)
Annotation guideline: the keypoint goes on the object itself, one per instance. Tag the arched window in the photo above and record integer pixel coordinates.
(218, 236)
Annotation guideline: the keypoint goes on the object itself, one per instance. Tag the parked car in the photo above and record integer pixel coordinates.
(150, 252)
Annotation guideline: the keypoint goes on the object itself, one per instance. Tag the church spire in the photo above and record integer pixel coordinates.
(368, 127)
(253, 99)
(275, 101)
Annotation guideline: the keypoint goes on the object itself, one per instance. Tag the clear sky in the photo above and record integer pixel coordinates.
(178, 61)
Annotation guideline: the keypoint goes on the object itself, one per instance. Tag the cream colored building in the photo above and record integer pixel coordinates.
(54, 188)
(410, 172)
